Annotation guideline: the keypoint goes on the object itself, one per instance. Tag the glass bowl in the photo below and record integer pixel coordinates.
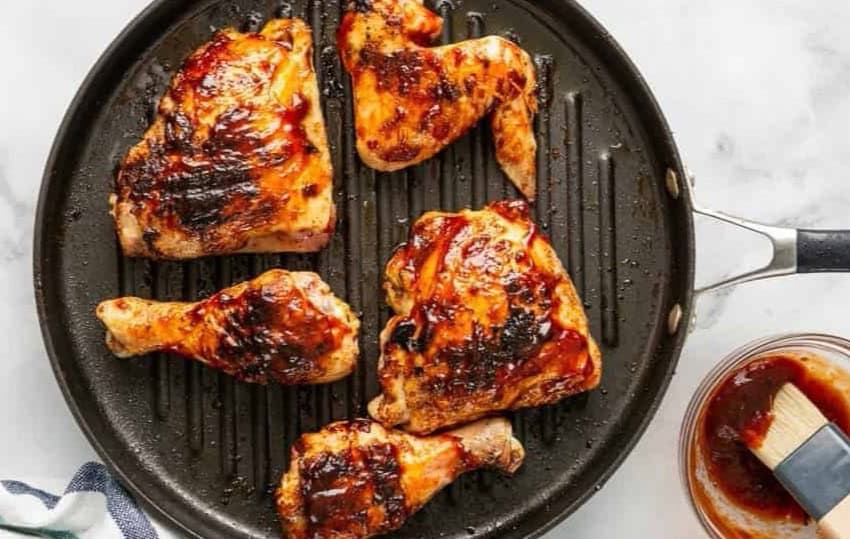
(721, 518)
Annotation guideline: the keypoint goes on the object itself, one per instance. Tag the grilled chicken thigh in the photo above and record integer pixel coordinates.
(355, 479)
(236, 159)
(411, 100)
(487, 320)
(285, 327)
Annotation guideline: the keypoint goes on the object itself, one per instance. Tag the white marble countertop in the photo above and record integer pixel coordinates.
(758, 92)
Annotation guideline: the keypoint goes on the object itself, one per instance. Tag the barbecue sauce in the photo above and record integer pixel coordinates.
(739, 413)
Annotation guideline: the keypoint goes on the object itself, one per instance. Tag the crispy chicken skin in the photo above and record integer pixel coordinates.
(237, 158)
(412, 100)
(487, 320)
(283, 326)
(355, 479)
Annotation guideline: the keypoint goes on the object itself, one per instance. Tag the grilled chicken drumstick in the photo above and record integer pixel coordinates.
(285, 327)
(487, 320)
(355, 479)
(412, 100)
(237, 158)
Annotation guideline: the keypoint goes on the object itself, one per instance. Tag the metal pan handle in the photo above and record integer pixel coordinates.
(794, 250)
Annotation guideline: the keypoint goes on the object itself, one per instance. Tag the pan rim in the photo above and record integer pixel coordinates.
(629, 70)
(97, 70)
(681, 295)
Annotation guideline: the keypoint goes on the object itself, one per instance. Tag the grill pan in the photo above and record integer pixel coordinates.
(205, 451)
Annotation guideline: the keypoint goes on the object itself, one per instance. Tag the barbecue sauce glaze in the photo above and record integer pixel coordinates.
(739, 414)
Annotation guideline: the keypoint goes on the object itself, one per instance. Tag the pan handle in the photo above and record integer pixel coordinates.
(823, 250)
(794, 250)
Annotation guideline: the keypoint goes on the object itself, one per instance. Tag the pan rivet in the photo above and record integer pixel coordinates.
(674, 318)
(672, 183)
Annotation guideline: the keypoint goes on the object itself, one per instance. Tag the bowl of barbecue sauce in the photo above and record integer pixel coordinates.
(733, 494)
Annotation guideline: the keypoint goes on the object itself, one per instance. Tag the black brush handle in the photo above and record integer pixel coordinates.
(823, 251)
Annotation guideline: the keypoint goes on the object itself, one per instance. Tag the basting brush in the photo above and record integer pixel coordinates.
(811, 458)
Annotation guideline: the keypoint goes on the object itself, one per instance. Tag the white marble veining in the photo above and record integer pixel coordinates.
(758, 92)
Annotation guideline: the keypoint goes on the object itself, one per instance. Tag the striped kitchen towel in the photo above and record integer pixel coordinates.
(94, 506)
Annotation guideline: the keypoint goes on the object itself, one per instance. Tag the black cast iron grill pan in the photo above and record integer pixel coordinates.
(206, 451)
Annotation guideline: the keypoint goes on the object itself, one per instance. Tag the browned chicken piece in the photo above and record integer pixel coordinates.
(412, 100)
(285, 327)
(355, 479)
(237, 158)
(487, 320)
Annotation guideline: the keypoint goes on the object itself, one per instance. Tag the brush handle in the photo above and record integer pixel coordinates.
(836, 523)
(817, 474)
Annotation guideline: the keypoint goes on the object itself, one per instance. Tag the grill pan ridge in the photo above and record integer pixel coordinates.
(207, 451)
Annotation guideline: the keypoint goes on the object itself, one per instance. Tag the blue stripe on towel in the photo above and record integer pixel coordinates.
(17, 488)
(52, 534)
(93, 477)
(39, 532)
